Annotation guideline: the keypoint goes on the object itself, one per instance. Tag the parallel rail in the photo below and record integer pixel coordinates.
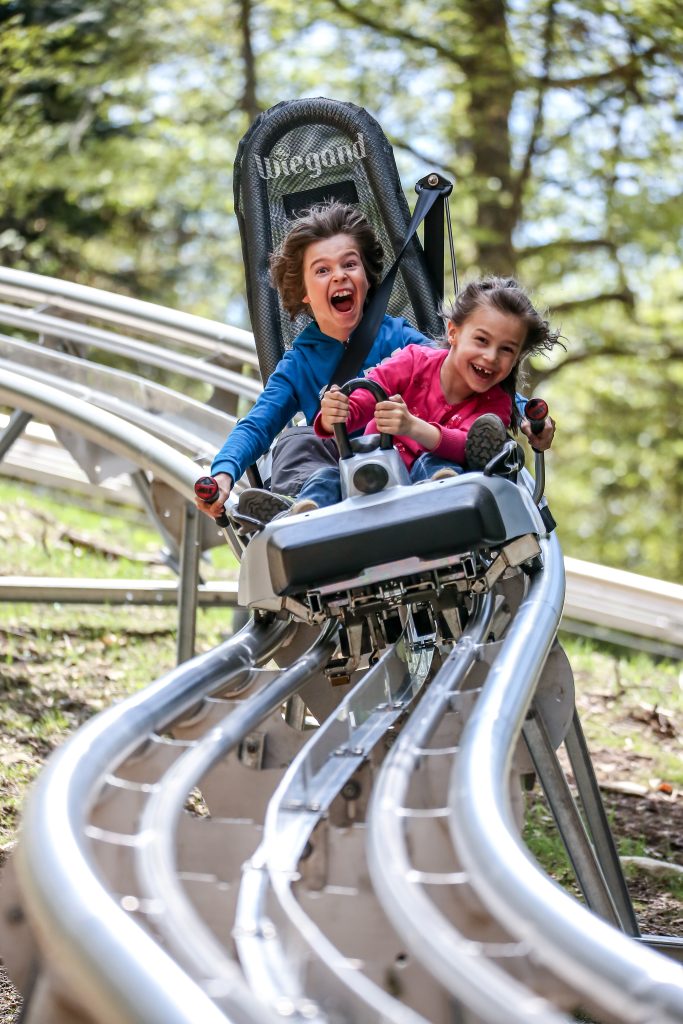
(366, 870)
(92, 304)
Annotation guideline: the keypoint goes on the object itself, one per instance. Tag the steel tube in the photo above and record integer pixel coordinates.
(180, 924)
(18, 422)
(594, 809)
(458, 963)
(124, 310)
(189, 366)
(568, 820)
(187, 583)
(118, 970)
(106, 429)
(628, 981)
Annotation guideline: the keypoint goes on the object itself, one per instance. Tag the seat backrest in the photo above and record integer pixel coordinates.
(297, 154)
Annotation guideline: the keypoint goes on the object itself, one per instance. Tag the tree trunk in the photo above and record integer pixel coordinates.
(249, 104)
(491, 80)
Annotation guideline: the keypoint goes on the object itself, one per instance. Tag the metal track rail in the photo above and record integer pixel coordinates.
(184, 440)
(111, 388)
(117, 971)
(273, 961)
(166, 325)
(624, 980)
(416, 880)
(182, 929)
(151, 355)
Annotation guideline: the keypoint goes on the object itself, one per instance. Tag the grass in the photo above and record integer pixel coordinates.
(61, 664)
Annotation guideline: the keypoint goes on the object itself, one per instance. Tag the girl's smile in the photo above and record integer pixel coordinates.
(336, 285)
(484, 349)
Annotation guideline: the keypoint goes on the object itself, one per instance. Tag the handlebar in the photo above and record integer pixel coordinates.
(207, 490)
(536, 411)
(341, 434)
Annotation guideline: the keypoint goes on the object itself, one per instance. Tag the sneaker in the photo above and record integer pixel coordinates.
(303, 505)
(443, 474)
(262, 506)
(485, 439)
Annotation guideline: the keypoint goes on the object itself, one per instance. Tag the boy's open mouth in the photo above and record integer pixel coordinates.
(342, 300)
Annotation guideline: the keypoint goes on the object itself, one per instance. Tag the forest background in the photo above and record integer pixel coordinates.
(560, 122)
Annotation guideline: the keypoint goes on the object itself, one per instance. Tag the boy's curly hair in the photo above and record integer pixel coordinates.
(318, 223)
(508, 296)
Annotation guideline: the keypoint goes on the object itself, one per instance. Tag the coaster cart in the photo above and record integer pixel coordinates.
(391, 560)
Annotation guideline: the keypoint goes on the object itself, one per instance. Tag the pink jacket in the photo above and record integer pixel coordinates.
(414, 373)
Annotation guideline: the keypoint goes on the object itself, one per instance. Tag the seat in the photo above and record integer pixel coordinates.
(299, 153)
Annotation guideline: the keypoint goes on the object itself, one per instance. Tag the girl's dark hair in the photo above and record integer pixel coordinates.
(317, 224)
(507, 296)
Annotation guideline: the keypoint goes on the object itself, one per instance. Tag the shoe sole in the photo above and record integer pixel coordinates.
(484, 441)
(262, 505)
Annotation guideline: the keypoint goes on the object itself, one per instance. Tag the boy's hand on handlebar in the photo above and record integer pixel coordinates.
(542, 441)
(334, 408)
(216, 508)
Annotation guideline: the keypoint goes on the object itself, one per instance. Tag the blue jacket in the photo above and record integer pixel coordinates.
(295, 386)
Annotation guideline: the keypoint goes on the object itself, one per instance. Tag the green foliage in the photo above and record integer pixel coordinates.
(560, 123)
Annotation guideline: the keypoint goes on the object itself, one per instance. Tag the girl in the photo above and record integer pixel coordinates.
(449, 408)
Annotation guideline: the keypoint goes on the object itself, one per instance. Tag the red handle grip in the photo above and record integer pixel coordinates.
(536, 411)
(207, 490)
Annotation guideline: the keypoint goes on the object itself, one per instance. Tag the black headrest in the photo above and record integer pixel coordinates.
(297, 154)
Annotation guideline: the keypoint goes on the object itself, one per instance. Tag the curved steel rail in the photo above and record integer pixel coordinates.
(102, 427)
(117, 969)
(183, 930)
(183, 440)
(272, 960)
(117, 386)
(147, 317)
(413, 896)
(612, 971)
(142, 351)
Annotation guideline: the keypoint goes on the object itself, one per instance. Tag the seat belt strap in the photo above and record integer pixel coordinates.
(363, 336)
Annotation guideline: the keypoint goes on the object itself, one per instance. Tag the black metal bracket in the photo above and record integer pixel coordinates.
(434, 237)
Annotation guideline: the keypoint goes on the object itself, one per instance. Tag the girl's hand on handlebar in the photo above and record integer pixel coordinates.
(216, 508)
(334, 408)
(539, 442)
(394, 416)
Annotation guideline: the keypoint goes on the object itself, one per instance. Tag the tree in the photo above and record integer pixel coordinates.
(559, 122)
(76, 190)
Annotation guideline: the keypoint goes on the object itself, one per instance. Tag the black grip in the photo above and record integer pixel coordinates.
(341, 434)
(536, 411)
(207, 490)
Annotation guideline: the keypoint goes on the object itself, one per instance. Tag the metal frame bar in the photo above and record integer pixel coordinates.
(605, 848)
(568, 820)
(614, 972)
(18, 422)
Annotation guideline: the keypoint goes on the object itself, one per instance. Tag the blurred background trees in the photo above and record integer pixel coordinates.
(559, 121)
